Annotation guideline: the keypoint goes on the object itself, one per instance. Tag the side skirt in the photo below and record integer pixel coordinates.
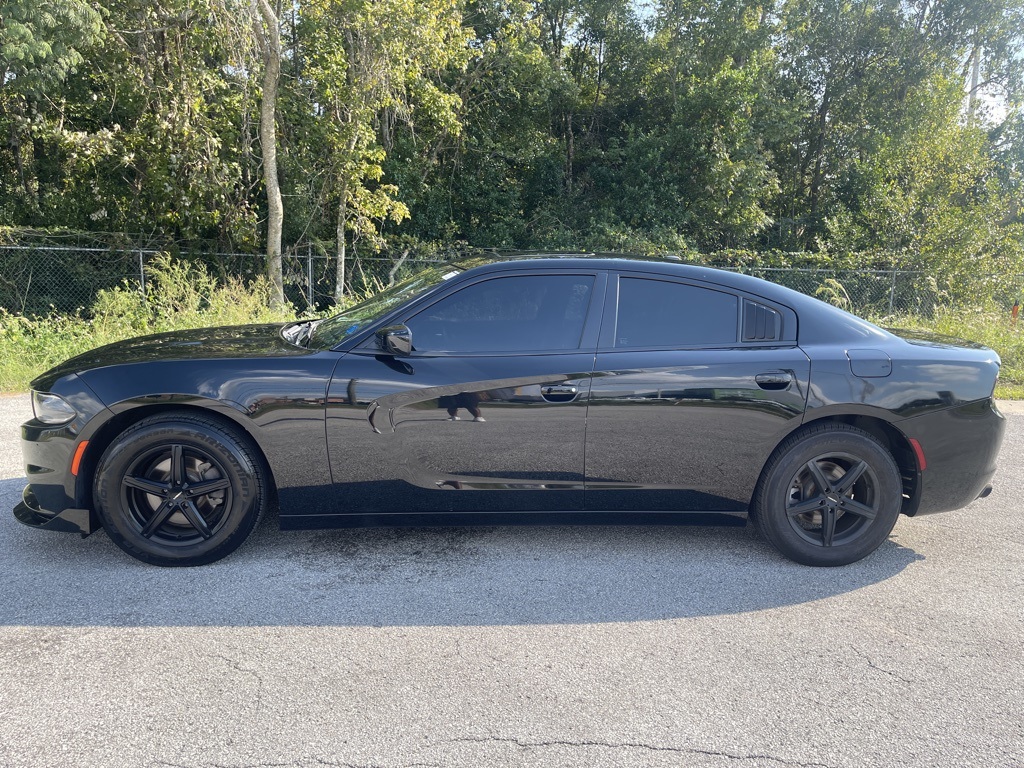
(404, 519)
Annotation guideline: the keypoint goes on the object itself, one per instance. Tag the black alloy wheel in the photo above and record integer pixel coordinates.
(179, 489)
(176, 494)
(830, 495)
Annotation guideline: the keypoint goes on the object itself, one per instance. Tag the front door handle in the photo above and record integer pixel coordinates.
(559, 393)
(774, 380)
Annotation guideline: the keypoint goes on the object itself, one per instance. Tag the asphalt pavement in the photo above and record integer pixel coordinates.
(517, 646)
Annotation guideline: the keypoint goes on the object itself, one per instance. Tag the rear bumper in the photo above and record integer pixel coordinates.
(961, 446)
(28, 512)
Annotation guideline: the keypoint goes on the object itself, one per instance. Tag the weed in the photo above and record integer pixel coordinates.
(993, 328)
(180, 294)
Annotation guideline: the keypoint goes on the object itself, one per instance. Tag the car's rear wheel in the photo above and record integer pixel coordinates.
(179, 489)
(829, 495)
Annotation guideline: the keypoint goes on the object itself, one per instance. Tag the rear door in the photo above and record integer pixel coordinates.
(694, 386)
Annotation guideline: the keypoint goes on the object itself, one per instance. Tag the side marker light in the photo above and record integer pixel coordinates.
(922, 465)
(79, 452)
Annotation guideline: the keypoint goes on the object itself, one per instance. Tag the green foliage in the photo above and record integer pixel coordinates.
(683, 125)
(180, 295)
(41, 41)
(989, 326)
(834, 292)
(371, 66)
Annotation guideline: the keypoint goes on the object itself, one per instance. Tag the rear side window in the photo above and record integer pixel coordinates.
(657, 313)
(507, 314)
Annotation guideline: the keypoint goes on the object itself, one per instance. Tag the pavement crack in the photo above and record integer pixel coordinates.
(636, 745)
(237, 666)
(883, 670)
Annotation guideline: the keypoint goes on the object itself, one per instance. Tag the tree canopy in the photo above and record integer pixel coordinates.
(888, 126)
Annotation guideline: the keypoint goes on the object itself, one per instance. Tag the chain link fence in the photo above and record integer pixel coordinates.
(880, 293)
(866, 292)
(45, 279)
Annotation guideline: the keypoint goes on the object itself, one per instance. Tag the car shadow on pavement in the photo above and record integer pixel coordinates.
(486, 576)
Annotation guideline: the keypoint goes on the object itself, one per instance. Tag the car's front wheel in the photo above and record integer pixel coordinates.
(179, 489)
(829, 495)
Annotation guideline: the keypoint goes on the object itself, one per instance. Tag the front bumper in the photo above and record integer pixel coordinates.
(56, 498)
(28, 512)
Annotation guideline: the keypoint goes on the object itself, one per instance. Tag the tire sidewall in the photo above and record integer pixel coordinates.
(246, 492)
(772, 517)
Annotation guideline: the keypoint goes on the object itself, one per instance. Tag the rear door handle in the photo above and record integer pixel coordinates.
(559, 393)
(774, 380)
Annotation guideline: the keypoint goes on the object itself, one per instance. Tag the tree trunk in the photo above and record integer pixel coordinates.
(270, 43)
(397, 266)
(972, 98)
(339, 285)
(570, 152)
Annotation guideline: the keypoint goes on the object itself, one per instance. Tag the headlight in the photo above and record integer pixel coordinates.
(51, 409)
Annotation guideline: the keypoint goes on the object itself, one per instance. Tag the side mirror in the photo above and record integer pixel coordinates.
(395, 340)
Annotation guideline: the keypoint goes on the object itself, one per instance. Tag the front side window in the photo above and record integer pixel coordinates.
(351, 321)
(658, 313)
(522, 313)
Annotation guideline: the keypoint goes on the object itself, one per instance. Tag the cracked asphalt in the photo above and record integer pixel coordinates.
(503, 646)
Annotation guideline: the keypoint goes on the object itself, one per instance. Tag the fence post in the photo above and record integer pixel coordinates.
(892, 291)
(142, 274)
(309, 277)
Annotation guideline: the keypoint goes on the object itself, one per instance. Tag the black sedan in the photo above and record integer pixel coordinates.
(551, 388)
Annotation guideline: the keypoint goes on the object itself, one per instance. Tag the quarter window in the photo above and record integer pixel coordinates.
(657, 313)
(507, 314)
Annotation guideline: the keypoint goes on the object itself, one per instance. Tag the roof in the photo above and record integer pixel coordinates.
(819, 321)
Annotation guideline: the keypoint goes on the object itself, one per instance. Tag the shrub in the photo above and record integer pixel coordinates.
(180, 294)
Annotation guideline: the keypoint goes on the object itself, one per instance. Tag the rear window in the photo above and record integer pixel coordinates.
(658, 313)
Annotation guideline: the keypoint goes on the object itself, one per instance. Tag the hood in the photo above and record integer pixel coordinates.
(230, 342)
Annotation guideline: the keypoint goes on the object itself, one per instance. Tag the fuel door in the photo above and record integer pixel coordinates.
(869, 363)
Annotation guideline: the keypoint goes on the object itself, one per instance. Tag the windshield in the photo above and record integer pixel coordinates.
(335, 330)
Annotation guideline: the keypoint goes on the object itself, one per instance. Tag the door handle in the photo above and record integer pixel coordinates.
(559, 393)
(774, 380)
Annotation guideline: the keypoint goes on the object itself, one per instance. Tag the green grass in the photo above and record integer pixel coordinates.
(181, 295)
(992, 328)
(184, 295)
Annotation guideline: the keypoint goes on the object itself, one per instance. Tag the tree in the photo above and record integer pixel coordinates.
(266, 27)
(370, 65)
(41, 41)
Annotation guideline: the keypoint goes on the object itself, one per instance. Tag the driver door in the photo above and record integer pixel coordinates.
(487, 413)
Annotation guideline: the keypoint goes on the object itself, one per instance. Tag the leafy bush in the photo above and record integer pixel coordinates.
(180, 294)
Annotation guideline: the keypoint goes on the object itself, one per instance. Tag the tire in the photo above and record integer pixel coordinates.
(179, 490)
(829, 495)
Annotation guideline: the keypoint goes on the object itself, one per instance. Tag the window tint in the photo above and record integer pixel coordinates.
(655, 313)
(507, 314)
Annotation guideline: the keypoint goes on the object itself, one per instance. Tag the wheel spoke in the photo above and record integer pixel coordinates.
(147, 486)
(854, 507)
(819, 477)
(159, 518)
(846, 482)
(808, 505)
(208, 486)
(195, 517)
(828, 525)
(177, 466)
